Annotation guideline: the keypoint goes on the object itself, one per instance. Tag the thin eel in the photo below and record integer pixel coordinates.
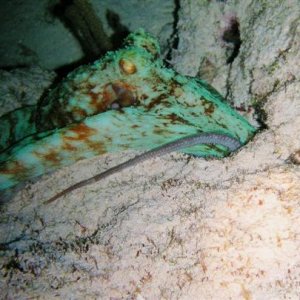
(189, 141)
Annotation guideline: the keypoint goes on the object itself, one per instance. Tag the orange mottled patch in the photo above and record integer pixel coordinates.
(13, 168)
(124, 85)
(52, 156)
(126, 93)
(97, 147)
(209, 107)
(101, 101)
(69, 147)
(98, 101)
(79, 112)
(81, 133)
(85, 86)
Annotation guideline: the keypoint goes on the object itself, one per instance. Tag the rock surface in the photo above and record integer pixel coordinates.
(175, 227)
(23, 86)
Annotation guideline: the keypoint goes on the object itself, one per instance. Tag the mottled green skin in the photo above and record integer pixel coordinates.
(126, 100)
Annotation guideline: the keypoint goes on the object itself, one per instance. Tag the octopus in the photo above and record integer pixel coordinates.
(126, 100)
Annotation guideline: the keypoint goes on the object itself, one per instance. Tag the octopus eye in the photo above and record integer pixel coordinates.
(127, 66)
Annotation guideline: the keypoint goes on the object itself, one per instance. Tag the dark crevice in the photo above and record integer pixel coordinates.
(261, 115)
(81, 19)
(120, 30)
(174, 39)
(234, 54)
(258, 106)
(228, 94)
(231, 35)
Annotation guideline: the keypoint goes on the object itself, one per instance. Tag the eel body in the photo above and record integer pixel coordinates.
(230, 143)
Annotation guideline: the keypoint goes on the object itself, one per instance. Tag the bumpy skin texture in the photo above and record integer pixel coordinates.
(126, 100)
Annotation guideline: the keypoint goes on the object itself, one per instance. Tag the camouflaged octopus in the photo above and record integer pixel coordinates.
(126, 100)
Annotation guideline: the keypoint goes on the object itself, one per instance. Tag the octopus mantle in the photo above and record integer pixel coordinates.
(126, 100)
